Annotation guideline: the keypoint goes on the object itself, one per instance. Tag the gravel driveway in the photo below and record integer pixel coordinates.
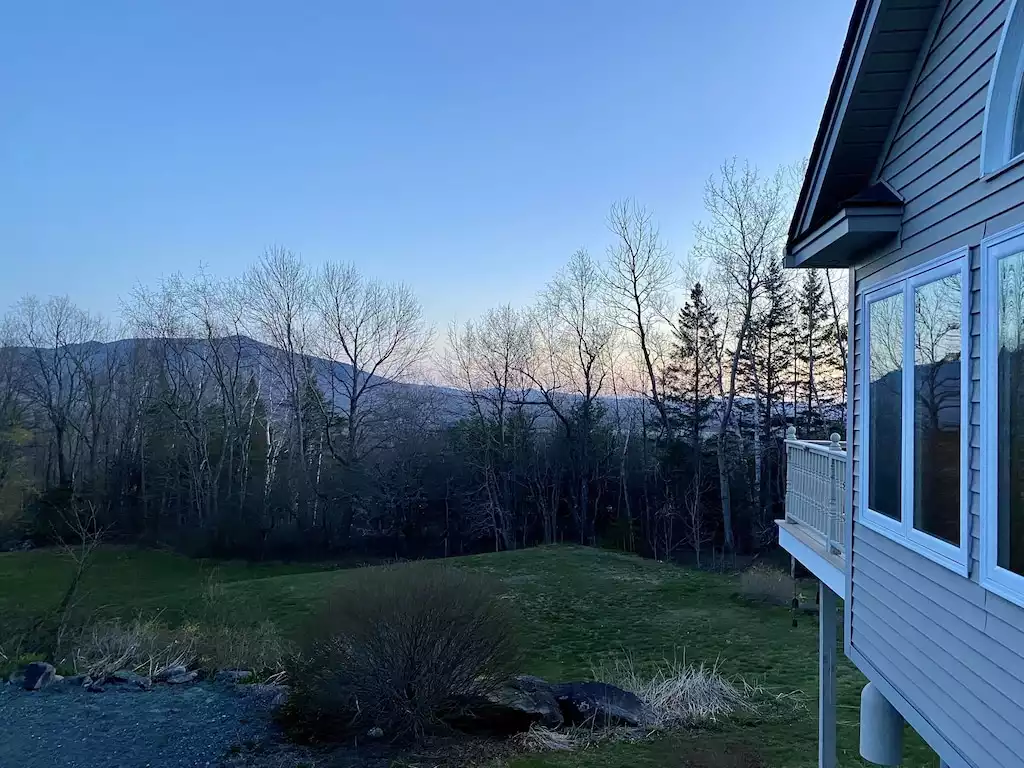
(123, 727)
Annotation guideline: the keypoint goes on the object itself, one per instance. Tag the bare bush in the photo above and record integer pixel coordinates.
(401, 648)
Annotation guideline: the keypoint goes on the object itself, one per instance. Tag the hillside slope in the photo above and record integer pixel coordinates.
(580, 607)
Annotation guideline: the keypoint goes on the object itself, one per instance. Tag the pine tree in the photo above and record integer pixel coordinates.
(693, 377)
(692, 390)
(766, 367)
(814, 360)
(772, 348)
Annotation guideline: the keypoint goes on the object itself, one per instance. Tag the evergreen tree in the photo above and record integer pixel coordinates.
(693, 375)
(771, 350)
(766, 364)
(815, 366)
(693, 391)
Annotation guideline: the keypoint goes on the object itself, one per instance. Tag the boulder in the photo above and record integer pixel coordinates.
(38, 675)
(175, 670)
(95, 686)
(233, 675)
(530, 697)
(599, 703)
(182, 679)
(268, 695)
(77, 681)
(515, 706)
(126, 676)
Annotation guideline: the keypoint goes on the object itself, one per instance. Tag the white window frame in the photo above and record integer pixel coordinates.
(902, 531)
(1000, 581)
(1003, 91)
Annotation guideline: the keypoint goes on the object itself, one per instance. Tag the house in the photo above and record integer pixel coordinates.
(916, 185)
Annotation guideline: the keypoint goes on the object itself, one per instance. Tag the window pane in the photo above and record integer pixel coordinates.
(937, 385)
(885, 377)
(1018, 126)
(1010, 421)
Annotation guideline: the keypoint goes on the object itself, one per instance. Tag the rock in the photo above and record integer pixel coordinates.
(132, 678)
(267, 694)
(15, 678)
(175, 670)
(521, 702)
(233, 675)
(375, 733)
(531, 698)
(600, 703)
(77, 680)
(38, 675)
(95, 686)
(122, 676)
(182, 679)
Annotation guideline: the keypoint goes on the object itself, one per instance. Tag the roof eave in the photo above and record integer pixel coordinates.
(847, 238)
(855, 37)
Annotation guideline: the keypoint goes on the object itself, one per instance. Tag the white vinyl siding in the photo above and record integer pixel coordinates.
(953, 649)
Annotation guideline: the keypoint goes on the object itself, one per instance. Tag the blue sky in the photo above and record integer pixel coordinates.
(467, 147)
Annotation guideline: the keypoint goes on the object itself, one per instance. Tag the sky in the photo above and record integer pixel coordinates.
(466, 148)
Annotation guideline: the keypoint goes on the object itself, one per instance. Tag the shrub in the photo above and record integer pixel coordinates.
(769, 585)
(402, 648)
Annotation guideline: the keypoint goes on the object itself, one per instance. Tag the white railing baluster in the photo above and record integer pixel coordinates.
(816, 487)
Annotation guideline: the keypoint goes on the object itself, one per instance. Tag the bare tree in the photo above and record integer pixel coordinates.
(486, 360)
(574, 337)
(279, 292)
(10, 405)
(372, 335)
(638, 275)
(59, 342)
(744, 230)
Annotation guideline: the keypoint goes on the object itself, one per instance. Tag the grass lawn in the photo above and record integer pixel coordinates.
(581, 606)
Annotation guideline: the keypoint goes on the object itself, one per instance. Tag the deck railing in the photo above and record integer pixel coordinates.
(816, 488)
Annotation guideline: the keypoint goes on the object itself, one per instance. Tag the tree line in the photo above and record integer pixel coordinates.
(300, 411)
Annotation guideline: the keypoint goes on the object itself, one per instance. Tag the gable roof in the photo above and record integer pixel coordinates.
(879, 56)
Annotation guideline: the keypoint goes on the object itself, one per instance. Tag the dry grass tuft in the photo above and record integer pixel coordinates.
(141, 645)
(259, 647)
(542, 739)
(678, 694)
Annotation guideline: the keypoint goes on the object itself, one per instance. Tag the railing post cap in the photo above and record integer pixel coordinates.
(834, 437)
(791, 433)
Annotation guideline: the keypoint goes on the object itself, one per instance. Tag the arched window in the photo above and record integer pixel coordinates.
(1003, 138)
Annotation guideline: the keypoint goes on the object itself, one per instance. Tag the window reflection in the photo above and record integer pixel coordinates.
(1018, 125)
(937, 383)
(885, 382)
(1010, 421)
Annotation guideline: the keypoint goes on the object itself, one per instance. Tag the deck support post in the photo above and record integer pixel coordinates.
(827, 639)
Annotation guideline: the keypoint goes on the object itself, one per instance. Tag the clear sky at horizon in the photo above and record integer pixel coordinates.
(467, 148)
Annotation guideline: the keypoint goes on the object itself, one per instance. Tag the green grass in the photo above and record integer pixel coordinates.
(580, 606)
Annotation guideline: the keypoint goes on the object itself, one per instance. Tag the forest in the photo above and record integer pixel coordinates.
(298, 410)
